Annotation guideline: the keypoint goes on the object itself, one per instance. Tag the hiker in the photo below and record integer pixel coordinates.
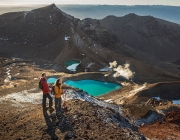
(58, 92)
(46, 90)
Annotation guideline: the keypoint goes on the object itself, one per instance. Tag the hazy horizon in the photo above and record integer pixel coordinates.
(43, 4)
(83, 11)
(93, 2)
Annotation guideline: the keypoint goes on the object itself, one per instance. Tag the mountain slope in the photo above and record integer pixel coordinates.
(154, 37)
(169, 13)
(49, 34)
(38, 28)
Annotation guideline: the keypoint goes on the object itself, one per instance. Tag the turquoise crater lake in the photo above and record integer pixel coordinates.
(51, 80)
(92, 87)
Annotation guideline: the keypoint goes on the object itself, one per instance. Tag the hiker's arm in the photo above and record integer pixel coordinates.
(56, 89)
(61, 90)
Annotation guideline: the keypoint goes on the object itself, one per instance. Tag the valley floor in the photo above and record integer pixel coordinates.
(83, 120)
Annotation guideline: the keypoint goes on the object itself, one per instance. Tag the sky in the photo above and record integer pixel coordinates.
(108, 2)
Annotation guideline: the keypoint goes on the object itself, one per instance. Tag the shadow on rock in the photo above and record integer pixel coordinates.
(60, 122)
(63, 124)
(51, 124)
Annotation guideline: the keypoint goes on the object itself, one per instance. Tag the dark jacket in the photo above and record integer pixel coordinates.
(45, 86)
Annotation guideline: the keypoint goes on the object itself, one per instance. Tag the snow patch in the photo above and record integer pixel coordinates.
(176, 102)
(90, 64)
(24, 96)
(71, 94)
(157, 98)
(66, 37)
(25, 13)
(105, 69)
(73, 67)
(34, 96)
(14, 58)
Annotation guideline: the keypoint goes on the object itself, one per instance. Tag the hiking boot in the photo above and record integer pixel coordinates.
(59, 114)
(61, 111)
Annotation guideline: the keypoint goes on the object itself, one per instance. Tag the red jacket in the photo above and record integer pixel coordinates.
(45, 86)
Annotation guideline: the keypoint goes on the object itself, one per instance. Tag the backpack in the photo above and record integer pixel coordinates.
(52, 90)
(40, 85)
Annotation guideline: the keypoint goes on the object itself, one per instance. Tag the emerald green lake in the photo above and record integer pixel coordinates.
(51, 80)
(92, 87)
(68, 63)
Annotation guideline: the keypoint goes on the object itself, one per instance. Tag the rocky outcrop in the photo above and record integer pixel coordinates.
(154, 102)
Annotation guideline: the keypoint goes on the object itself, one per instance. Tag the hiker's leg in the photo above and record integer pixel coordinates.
(50, 100)
(56, 104)
(60, 104)
(44, 101)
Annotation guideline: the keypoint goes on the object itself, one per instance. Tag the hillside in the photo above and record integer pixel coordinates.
(118, 115)
(48, 34)
(169, 13)
(156, 38)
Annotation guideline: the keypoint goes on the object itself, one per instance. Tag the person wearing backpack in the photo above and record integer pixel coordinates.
(45, 89)
(58, 91)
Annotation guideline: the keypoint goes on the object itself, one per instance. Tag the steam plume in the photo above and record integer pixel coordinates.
(113, 64)
(121, 70)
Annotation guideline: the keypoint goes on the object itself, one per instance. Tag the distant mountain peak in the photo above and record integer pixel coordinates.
(131, 14)
(52, 6)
